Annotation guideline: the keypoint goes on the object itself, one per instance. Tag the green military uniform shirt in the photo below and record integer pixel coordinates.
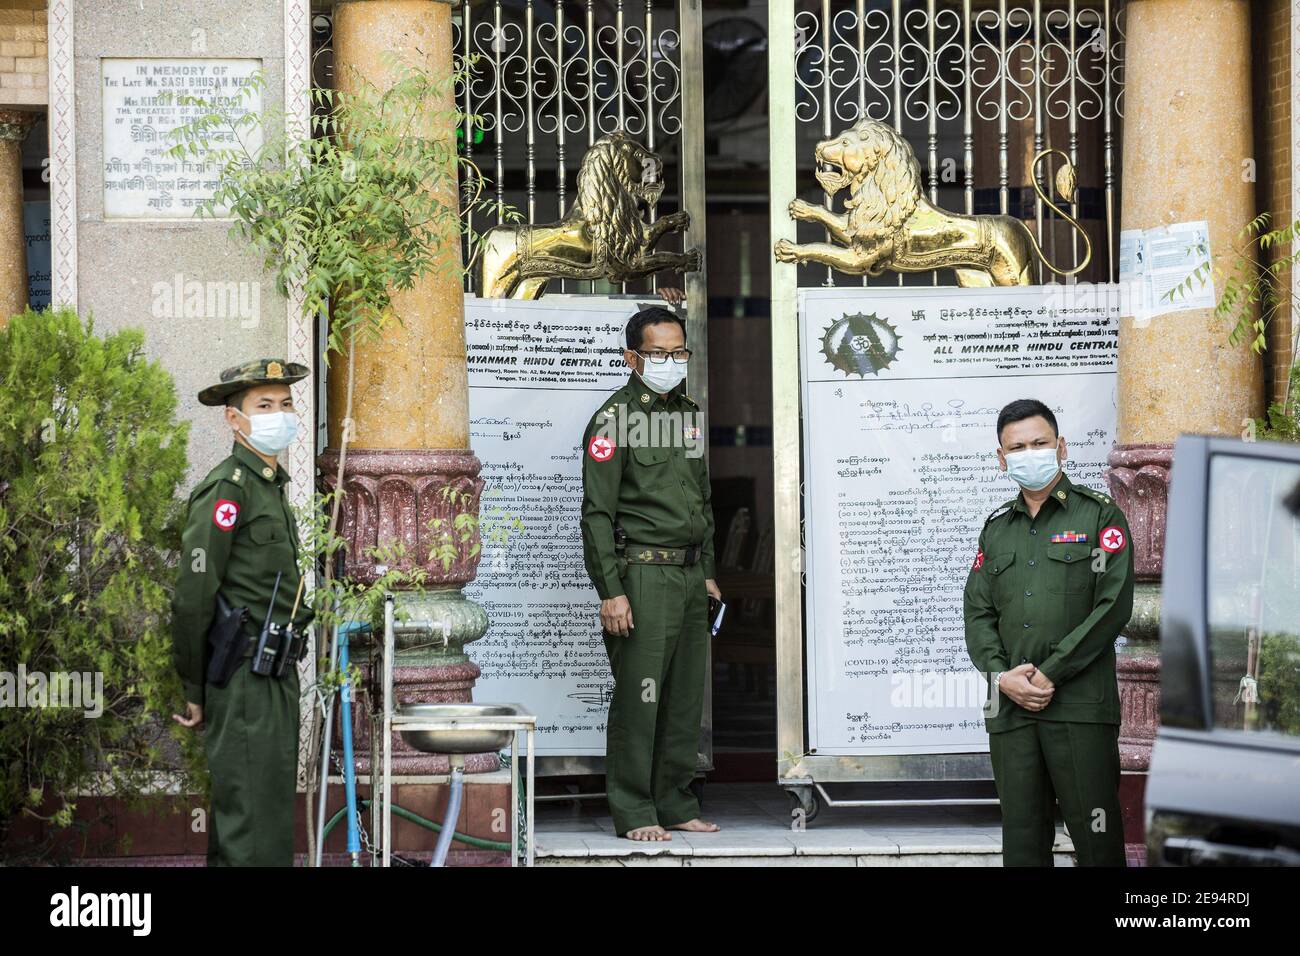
(1057, 604)
(657, 493)
(239, 531)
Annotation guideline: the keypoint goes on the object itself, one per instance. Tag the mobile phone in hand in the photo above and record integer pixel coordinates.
(717, 609)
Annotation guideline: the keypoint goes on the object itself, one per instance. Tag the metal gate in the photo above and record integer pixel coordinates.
(975, 89)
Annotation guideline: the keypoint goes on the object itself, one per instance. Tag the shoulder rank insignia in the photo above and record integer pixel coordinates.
(690, 401)
(239, 473)
(1096, 495)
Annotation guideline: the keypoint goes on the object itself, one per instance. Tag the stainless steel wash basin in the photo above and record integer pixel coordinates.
(456, 740)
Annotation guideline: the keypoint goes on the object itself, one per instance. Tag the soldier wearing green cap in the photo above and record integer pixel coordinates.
(239, 533)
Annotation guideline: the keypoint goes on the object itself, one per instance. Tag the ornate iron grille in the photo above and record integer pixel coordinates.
(977, 88)
(545, 80)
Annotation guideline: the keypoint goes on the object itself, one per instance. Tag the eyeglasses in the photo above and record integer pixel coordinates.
(660, 357)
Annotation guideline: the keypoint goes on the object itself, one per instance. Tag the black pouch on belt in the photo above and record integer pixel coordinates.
(620, 550)
(226, 640)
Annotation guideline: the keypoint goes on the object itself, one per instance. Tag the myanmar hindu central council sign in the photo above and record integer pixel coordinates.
(901, 392)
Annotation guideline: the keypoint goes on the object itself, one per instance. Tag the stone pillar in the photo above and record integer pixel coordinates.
(1187, 131)
(409, 469)
(14, 127)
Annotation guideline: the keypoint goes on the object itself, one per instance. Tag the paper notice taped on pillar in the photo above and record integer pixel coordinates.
(1154, 263)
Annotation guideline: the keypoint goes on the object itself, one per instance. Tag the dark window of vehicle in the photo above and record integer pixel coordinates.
(1253, 595)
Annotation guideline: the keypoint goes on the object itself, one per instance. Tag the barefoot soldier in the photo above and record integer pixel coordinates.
(240, 535)
(647, 533)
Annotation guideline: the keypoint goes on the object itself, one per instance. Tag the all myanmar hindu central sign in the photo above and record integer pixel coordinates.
(901, 392)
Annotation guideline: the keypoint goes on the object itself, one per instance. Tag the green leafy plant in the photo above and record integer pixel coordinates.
(1253, 292)
(91, 458)
(1279, 683)
(1279, 422)
(361, 208)
(1250, 296)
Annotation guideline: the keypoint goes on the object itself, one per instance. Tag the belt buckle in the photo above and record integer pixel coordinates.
(692, 555)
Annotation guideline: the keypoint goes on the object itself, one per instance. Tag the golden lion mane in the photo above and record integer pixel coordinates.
(886, 181)
(607, 200)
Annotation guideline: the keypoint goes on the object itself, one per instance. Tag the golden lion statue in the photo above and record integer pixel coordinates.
(889, 223)
(604, 235)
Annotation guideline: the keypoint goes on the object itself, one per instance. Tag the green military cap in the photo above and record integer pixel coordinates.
(257, 372)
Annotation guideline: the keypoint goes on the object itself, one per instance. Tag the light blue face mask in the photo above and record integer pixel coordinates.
(272, 432)
(1033, 470)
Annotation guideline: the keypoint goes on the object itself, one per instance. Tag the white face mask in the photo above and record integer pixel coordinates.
(662, 378)
(272, 432)
(1033, 470)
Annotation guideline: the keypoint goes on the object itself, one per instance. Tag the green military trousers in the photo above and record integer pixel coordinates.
(252, 746)
(654, 718)
(1049, 761)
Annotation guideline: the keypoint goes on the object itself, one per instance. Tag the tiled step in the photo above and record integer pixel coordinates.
(769, 846)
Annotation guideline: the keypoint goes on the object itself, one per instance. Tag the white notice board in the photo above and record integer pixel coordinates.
(537, 373)
(901, 391)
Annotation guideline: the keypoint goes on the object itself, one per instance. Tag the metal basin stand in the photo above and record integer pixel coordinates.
(455, 729)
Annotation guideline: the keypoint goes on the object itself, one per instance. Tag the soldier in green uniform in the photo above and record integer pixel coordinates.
(1046, 597)
(645, 483)
(239, 532)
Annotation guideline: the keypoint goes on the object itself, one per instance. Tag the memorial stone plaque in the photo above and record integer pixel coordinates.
(141, 181)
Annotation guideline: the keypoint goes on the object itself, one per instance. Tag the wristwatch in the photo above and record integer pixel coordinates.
(997, 679)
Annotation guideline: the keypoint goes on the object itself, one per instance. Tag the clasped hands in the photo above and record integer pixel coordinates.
(1027, 686)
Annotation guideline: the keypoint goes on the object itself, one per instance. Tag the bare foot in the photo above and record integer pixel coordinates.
(697, 826)
(649, 833)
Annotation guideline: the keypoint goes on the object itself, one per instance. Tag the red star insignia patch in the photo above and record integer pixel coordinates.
(1112, 539)
(979, 561)
(225, 513)
(600, 449)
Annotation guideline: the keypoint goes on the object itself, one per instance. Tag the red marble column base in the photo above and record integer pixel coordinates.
(1138, 477)
(1132, 804)
(1139, 701)
(400, 506)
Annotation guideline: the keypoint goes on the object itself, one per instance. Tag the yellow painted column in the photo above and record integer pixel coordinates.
(411, 392)
(409, 470)
(1187, 149)
(14, 127)
(1187, 138)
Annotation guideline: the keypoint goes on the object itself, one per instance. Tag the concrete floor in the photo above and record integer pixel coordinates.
(756, 830)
